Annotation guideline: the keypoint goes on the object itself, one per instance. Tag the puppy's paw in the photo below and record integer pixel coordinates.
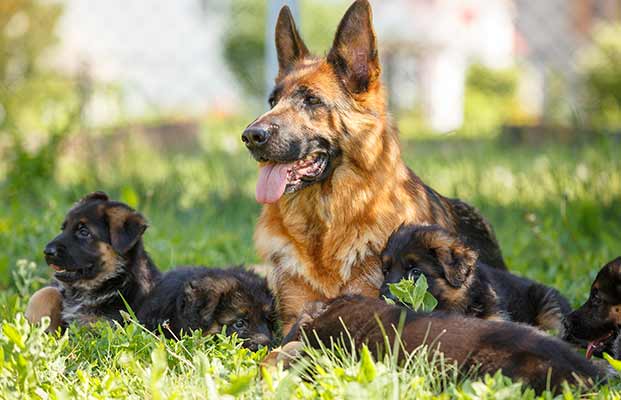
(286, 354)
(46, 302)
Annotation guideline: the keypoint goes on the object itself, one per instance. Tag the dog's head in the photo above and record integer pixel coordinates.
(96, 239)
(235, 299)
(429, 250)
(319, 106)
(597, 323)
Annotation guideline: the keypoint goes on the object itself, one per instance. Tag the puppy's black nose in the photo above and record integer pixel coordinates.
(51, 250)
(255, 136)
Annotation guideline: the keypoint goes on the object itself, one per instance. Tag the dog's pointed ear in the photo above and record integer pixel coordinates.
(289, 45)
(208, 291)
(354, 51)
(126, 227)
(457, 260)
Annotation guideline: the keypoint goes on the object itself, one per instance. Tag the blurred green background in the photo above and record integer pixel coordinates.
(511, 105)
(549, 179)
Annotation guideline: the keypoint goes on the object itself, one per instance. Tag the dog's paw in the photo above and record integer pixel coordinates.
(46, 302)
(285, 354)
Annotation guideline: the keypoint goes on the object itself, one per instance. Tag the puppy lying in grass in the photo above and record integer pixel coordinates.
(520, 351)
(597, 323)
(237, 300)
(99, 262)
(461, 283)
(100, 265)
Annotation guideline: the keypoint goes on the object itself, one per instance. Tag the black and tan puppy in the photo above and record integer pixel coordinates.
(99, 262)
(187, 299)
(597, 323)
(520, 351)
(462, 283)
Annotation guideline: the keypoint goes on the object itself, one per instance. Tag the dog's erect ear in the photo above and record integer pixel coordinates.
(354, 51)
(126, 227)
(457, 260)
(289, 45)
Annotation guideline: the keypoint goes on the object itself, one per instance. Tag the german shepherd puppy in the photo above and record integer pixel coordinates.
(99, 262)
(187, 299)
(464, 284)
(331, 177)
(521, 352)
(597, 323)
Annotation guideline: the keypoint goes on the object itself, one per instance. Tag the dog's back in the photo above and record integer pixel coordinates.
(527, 301)
(519, 351)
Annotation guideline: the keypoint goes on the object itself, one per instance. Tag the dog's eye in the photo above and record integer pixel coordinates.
(414, 273)
(83, 232)
(272, 101)
(239, 324)
(310, 100)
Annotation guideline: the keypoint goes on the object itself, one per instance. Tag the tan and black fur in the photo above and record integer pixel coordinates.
(521, 352)
(325, 233)
(100, 264)
(212, 299)
(462, 283)
(596, 324)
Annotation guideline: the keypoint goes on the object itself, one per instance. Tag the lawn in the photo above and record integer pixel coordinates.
(556, 210)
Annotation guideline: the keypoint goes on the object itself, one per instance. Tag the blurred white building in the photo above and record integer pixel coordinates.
(442, 37)
(163, 55)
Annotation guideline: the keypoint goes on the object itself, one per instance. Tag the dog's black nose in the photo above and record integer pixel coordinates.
(255, 136)
(51, 250)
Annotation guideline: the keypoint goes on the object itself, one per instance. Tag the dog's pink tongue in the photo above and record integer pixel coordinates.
(591, 349)
(272, 182)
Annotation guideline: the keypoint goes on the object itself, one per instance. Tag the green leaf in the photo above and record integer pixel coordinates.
(414, 295)
(616, 364)
(13, 334)
(238, 385)
(367, 366)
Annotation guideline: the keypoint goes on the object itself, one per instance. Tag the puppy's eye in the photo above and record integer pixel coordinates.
(83, 232)
(239, 324)
(414, 273)
(311, 101)
(272, 101)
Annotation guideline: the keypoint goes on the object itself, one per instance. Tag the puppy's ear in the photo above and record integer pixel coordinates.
(457, 259)
(98, 195)
(354, 50)
(209, 292)
(615, 267)
(126, 227)
(290, 47)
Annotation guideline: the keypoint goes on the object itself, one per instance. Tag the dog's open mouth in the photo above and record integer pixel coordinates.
(67, 275)
(598, 345)
(276, 179)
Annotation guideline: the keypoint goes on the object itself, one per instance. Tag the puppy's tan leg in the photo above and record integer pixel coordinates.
(287, 354)
(46, 302)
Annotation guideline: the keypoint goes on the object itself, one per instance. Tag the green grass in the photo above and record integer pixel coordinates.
(556, 210)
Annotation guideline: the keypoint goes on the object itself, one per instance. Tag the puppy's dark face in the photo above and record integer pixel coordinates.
(237, 300)
(95, 237)
(415, 250)
(597, 322)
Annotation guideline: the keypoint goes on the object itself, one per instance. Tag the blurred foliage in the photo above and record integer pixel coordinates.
(490, 99)
(600, 64)
(244, 47)
(38, 107)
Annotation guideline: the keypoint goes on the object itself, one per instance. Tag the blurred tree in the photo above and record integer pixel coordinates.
(490, 98)
(600, 65)
(244, 47)
(38, 107)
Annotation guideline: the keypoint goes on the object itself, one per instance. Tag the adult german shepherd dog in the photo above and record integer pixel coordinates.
(331, 174)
